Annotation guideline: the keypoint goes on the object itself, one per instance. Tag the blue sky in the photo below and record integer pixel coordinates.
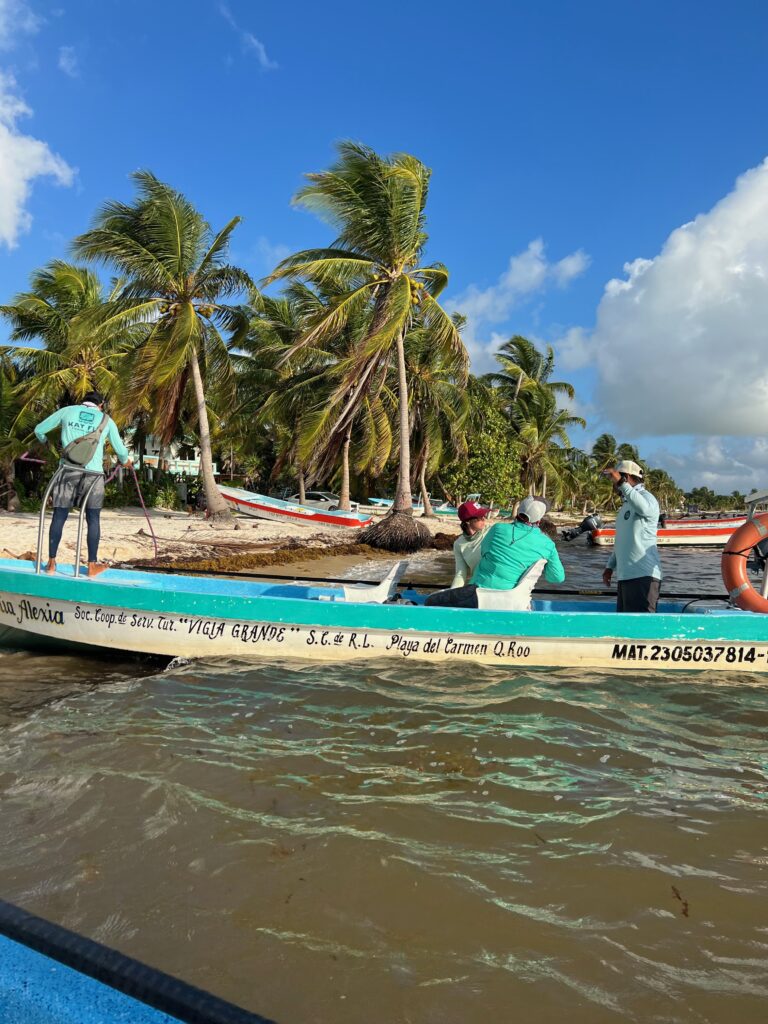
(567, 140)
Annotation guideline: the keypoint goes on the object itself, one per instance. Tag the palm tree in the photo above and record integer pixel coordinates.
(439, 407)
(605, 452)
(524, 369)
(262, 375)
(664, 488)
(300, 405)
(542, 430)
(11, 445)
(75, 357)
(175, 280)
(377, 205)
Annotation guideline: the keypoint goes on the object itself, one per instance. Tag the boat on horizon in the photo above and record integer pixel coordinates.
(675, 536)
(713, 523)
(261, 506)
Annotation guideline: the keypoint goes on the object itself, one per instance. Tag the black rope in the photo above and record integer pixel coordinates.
(131, 977)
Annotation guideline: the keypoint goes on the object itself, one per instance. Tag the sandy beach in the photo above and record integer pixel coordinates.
(125, 537)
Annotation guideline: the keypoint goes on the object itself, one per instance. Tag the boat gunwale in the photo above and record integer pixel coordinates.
(733, 626)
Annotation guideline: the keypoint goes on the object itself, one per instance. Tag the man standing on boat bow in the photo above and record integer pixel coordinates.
(84, 429)
(635, 556)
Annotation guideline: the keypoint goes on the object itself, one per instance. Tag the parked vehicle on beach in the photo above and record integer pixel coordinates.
(320, 499)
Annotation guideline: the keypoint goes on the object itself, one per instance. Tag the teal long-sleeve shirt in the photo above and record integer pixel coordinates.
(508, 549)
(634, 551)
(76, 420)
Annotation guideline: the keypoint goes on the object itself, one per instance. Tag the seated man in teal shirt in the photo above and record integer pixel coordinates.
(73, 481)
(507, 551)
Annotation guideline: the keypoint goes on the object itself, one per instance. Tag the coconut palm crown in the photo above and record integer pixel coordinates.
(175, 278)
(74, 357)
(377, 206)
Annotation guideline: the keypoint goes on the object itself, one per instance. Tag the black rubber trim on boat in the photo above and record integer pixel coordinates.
(131, 977)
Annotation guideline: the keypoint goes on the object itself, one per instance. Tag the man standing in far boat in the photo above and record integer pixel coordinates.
(84, 429)
(635, 556)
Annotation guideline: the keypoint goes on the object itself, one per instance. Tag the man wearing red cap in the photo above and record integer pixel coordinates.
(466, 549)
(507, 552)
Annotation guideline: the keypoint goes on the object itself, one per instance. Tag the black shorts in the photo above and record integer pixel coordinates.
(456, 597)
(72, 485)
(638, 595)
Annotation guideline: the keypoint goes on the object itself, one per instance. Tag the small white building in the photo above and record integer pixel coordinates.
(173, 458)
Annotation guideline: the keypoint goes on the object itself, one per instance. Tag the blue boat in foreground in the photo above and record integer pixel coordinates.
(175, 615)
(50, 975)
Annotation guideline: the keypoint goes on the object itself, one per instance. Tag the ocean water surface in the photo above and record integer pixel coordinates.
(399, 842)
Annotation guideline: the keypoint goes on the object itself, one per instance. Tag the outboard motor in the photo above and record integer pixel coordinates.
(757, 561)
(593, 522)
(662, 520)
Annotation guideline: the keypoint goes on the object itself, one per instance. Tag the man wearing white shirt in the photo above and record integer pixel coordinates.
(635, 556)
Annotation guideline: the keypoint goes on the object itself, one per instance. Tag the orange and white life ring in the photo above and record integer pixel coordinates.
(733, 564)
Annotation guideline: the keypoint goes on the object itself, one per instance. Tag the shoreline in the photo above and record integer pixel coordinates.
(189, 541)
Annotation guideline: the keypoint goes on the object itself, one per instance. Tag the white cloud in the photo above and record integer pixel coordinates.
(527, 273)
(269, 254)
(681, 342)
(22, 160)
(68, 62)
(249, 41)
(16, 19)
(724, 464)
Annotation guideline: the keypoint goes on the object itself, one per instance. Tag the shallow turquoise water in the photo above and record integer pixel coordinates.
(381, 842)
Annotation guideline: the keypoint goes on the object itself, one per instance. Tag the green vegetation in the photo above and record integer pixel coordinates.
(706, 499)
(354, 377)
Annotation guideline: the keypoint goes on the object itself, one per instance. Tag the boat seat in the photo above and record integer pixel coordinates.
(360, 593)
(516, 600)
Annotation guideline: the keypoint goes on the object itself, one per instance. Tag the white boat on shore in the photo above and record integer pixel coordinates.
(261, 506)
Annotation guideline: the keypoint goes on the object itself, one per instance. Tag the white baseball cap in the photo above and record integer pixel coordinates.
(630, 468)
(532, 509)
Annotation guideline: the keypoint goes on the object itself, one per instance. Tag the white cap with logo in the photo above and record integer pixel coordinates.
(532, 509)
(630, 468)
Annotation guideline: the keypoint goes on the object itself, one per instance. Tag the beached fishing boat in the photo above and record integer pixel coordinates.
(713, 523)
(260, 506)
(447, 508)
(677, 536)
(384, 504)
(175, 615)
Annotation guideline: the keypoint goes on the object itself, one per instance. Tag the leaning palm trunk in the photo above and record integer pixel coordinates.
(8, 496)
(302, 486)
(344, 498)
(428, 512)
(218, 510)
(398, 530)
(403, 497)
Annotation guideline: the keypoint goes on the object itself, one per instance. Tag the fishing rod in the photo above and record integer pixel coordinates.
(404, 584)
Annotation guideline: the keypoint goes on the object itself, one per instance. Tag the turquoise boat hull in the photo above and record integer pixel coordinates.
(187, 616)
(50, 975)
